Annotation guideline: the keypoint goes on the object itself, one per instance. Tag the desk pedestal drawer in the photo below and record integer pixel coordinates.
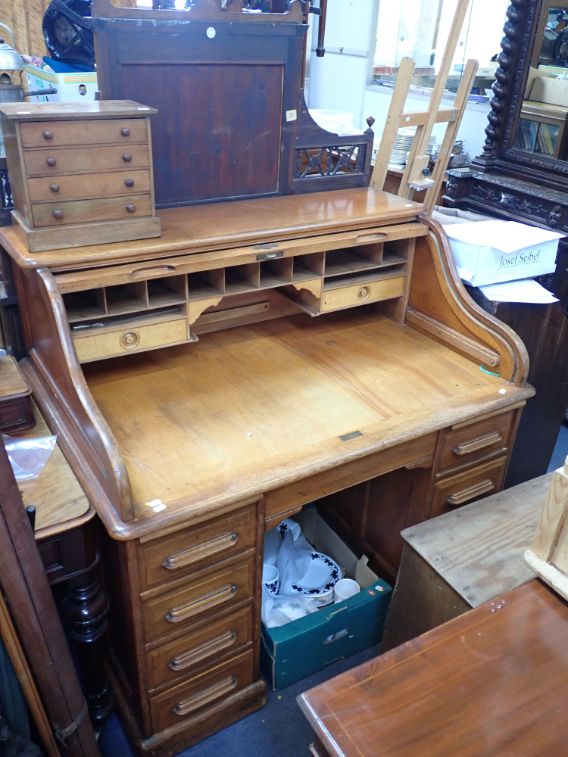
(213, 593)
(188, 699)
(464, 488)
(464, 445)
(106, 343)
(362, 293)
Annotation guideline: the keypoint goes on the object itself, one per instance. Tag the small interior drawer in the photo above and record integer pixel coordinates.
(202, 648)
(97, 131)
(76, 160)
(473, 442)
(108, 342)
(186, 700)
(175, 556)
(85, 211)
(361, 293)
(109, 184)
(216, 591)
(465, 487)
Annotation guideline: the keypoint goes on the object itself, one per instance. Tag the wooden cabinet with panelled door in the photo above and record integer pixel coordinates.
(80, 172)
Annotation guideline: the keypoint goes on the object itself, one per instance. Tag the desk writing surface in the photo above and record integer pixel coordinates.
(246, 410)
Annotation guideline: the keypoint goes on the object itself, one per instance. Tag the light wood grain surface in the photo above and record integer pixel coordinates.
(12, 383)
(245, 411)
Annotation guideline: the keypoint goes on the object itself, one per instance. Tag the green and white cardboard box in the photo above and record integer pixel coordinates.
(304, 646)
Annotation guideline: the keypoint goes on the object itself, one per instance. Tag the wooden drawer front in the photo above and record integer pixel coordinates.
(175, 556)
(362, 293)
(172, 706)
(82, 211)
(210, 643)
(68, 133)
(463, 488)
(109, 184)
(107, 343)
(77, 160)
(219, 590)
(16, 413)
(476, 441)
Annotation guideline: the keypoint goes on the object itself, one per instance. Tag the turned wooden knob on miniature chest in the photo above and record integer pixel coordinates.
(54, 188)
(125, 131)
(57, 214)
(51, 162)
(47, 134)
(363, 293)
(129, 340)
(131, 207)
(126, 157)
(129, 182)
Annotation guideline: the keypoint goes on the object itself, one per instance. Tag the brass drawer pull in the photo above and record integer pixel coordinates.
(125, 131)
(179, 614)
(58, 214)
(126, 157)
(54, 187)
(46, 134)
(363, 293)
(202, 652)
(474, 445)
(51, 162)
(194, 554)
(187, 706)
(131, 207)
(465, 495)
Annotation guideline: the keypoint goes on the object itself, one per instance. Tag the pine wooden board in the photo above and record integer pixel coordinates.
(244, 411)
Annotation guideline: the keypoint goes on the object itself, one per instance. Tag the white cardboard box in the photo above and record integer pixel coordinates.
(487, 252)
(71, 87)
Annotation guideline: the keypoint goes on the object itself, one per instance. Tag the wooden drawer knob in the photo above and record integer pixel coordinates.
(54, 187)
(129, 182)
(51, 162)
(58, 214)
(125, 131)
(126, 157)
(131, 207)
(47, 134)
(129, 340)
(363, 293)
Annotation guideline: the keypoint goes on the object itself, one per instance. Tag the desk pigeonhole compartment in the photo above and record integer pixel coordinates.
(302, 647)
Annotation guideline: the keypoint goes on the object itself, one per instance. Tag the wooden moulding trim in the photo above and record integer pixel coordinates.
(113, 465)
(458, 341)
(204, 10)
(513, 356)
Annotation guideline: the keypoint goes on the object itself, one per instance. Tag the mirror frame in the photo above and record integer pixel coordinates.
(499, 153)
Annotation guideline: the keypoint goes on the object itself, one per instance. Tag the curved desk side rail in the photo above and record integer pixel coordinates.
(440, 306)
(52, 357)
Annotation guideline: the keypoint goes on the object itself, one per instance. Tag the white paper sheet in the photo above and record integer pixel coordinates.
(523, 290)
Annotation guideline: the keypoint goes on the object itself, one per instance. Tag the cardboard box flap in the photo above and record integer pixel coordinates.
(506, 236)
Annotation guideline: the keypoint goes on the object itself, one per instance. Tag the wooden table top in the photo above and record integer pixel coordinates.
(60, 502)
(247, 410)
(492, 682)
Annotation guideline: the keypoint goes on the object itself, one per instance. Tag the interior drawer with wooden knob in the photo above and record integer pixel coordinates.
(194, 696)
(109, 184)
(96, 344)
(85, 211)
(174, 556)
(77, 160)
(348, 293)
(211, 593)
(212, 642)
(68, 133)
(465, 487)
(470, 443)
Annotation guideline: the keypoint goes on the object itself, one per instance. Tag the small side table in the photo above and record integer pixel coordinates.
(462, 559)
(66, 531)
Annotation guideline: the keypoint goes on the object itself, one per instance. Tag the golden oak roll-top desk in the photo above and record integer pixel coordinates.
(259, 355)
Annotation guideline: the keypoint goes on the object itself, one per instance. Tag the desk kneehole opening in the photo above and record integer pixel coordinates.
(201, 604)
(218, 690)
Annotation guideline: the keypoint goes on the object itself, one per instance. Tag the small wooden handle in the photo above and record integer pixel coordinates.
(54, 187)
(129, 182)
(125, 131)
(368, 238)
(47, 134)
(466, 495)
(143, 272)
(363, 293)
(466, 448)
(129, 340)
(201, 604)
(201, 551)
(126, 157)
(202, 652)
(58, 214)
(187, 706)
(51, 162)
(131, 207)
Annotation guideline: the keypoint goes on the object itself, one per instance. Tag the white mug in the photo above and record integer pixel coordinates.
(345, 588)
(270, 579)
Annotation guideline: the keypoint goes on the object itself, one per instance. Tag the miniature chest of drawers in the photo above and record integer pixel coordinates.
(80, 173)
